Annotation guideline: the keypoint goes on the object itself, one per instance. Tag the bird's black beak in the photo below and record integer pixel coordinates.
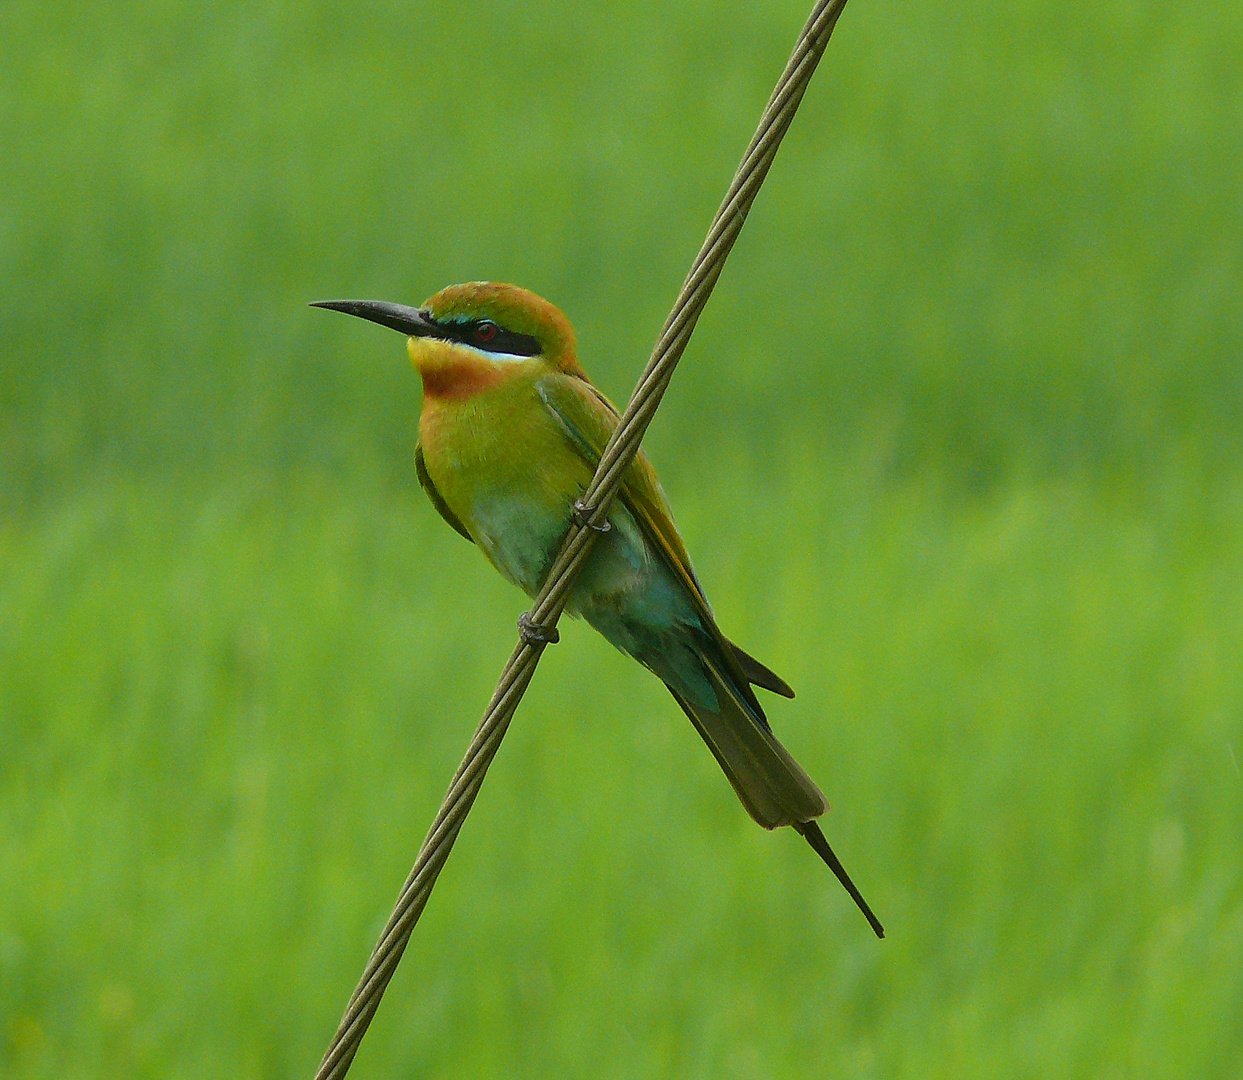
(405, 320)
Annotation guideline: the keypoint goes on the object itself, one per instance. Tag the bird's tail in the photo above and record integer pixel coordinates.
(772, 786)
(810, 831)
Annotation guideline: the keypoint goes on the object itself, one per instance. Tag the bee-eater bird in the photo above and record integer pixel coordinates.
(509, 437)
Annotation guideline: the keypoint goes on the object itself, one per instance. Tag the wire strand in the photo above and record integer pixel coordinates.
(593, 512)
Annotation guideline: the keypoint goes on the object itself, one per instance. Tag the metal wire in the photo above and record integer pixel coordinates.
(592, 513)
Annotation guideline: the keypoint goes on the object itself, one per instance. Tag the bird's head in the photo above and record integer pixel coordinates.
(469, 337)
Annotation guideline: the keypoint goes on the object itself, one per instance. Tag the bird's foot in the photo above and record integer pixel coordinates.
(534, 633)
(582, 517)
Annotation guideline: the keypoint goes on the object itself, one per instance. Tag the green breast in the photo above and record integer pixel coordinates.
(504, 467)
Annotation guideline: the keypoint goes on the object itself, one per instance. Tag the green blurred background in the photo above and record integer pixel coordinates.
(956, 449)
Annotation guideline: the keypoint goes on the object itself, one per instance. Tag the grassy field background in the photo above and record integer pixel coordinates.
(956, 449)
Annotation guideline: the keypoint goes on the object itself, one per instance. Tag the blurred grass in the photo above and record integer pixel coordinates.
(955, 449)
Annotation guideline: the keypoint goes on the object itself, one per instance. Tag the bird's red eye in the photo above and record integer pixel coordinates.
(485, 331)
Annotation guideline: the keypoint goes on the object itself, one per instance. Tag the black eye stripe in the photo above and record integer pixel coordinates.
(501, 341)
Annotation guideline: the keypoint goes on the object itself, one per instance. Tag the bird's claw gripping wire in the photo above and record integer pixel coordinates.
(529, 630)
(534, 633)
(582, 517)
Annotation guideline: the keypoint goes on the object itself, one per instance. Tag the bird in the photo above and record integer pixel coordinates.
(510, 434)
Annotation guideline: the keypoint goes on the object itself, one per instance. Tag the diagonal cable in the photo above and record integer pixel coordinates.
(597, 499)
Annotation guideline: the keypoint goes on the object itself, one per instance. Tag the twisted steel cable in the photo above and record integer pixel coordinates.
(541, 621)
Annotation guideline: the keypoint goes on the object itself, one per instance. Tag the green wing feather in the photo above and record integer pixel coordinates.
(589, 419)
(769, 782)
(442, 507)
(759, 675)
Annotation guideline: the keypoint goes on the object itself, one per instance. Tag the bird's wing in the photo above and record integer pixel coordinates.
(760, 675)
(771, 784)
(442, 507)
(589, 419)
